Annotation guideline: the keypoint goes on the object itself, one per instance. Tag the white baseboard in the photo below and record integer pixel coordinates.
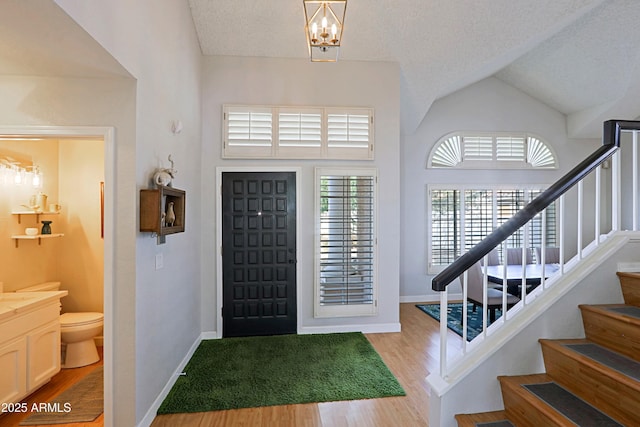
(428, 298)
(209, 335)
(151, 413)
(365, 329)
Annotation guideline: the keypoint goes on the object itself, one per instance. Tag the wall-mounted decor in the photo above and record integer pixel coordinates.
(162, 210)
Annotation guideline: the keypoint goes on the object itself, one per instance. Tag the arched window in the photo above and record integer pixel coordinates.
(481, 150)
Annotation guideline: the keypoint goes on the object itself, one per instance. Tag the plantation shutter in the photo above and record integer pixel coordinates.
(346, 246)
(510, 148)
(477, 212)
(248, 132)
(349, 134)
(300, 133)
(478, 147)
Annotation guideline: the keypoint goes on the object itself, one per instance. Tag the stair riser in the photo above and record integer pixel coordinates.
(618, 400)
(617, 335)
(630, 289)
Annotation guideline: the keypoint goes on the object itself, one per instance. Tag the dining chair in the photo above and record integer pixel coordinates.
(494, 296)
(493, 258)
(514, 256)
(551, 255)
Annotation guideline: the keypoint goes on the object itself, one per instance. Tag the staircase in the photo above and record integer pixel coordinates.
(589, 382)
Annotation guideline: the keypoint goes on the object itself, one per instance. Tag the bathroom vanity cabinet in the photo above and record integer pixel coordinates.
(29, 342)
(160, 205)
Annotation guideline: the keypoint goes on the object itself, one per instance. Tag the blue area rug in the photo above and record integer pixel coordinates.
(454, 317)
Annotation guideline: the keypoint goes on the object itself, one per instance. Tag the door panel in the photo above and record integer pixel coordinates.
(258, 253)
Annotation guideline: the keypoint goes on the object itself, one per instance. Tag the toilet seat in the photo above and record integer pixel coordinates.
(80, 319)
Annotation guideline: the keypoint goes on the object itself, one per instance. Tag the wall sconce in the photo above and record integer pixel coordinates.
(17, 173)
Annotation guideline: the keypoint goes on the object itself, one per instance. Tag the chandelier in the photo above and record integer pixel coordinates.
(324, 22)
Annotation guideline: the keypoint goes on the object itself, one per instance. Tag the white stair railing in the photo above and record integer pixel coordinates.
(601, 211)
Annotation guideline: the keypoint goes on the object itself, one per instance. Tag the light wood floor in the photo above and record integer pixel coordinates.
(59, 383)
(411, 355)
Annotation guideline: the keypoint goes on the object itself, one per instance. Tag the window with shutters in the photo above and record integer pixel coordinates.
(346, 241)
(297, 132)
(476, 150)
(460, 217)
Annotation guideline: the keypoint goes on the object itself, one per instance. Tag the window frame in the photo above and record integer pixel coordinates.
(345, 310)
(463, 188)
(491, 150)
(354, 149)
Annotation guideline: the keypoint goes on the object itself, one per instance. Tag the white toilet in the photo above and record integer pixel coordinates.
(77, 332)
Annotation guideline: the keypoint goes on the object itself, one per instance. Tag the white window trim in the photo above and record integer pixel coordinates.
(457, 159)
(355, 310)
(435, 269)
(283, 150)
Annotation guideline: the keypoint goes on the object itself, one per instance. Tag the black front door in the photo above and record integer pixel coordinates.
(259, 253)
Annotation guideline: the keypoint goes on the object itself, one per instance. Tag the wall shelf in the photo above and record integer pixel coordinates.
(39, 237)
(154, 206)
(36, 213)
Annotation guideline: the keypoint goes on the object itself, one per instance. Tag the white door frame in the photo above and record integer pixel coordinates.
(107, 134)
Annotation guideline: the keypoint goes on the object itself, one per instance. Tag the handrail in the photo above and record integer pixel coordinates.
(610, 143)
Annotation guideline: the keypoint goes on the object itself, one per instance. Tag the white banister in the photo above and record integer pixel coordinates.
(616, 178)
(564, 240)
(635, 181)
(580, 217)
(598, 206)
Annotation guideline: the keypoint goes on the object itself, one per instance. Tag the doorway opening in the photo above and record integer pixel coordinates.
(78, 140)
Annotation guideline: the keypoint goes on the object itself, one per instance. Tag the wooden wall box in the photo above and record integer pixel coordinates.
(153, 209)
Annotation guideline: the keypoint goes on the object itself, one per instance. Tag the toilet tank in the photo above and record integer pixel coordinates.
(42, 287)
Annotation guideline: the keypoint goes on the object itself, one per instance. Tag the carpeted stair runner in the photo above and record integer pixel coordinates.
(571, 406)
(608, 358)
(629, 310)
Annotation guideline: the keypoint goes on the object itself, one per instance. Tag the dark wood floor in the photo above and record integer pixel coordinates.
(411, 355)
(59, 383)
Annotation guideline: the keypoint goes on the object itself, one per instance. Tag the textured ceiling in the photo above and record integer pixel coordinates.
(581, 57)
(577, 56)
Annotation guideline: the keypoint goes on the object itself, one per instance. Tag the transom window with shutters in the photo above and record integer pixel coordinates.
(477, 150)
(460, 217)
(346, 242)
(297, 132)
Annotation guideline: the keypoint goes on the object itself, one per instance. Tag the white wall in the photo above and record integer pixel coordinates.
(489, 105)
(299, 82)
(51, 101)
(155, 42)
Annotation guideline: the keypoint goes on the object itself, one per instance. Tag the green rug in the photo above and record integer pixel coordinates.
(454, 317)
(279, 370)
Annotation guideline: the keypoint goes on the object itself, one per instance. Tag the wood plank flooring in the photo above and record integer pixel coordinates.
(59, 383)
(411, 355)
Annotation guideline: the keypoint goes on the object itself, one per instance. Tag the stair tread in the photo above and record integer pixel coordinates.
(611, 359)
(484, 419)
(558, 401)
(570, 405)
(627, 312)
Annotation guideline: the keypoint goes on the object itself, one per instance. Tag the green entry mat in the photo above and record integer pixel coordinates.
(278, 370)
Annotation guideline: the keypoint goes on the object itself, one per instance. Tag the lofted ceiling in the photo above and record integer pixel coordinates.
(578, 56)
(581, 57)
